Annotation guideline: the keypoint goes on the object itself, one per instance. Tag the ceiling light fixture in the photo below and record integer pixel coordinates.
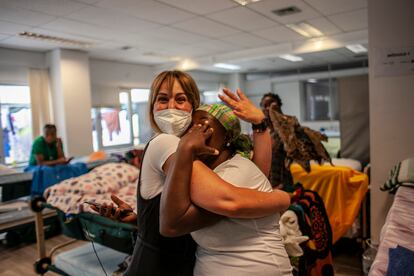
(305, 29)
(227, 66)
(126, 48)
(291, 58)
(312, 80)
(287, 11)
(245, 2)
(357, 48)
(54, 39)
(187, 64)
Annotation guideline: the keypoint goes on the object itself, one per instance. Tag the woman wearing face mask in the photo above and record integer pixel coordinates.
(232, 246)
(174, 95)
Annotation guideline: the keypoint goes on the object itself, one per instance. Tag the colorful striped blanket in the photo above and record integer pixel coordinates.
(401, 174)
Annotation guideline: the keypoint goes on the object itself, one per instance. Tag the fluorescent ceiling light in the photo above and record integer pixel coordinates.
(187, 64)
(357, 48)
(291, 58)
(312, 80)
(245, 2)
(55, 39)
(227, 66)
(305, 29)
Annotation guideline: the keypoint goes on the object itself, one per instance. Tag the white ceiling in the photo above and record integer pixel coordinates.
(207, 31)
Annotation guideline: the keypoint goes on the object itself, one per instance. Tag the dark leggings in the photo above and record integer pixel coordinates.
(149, 261)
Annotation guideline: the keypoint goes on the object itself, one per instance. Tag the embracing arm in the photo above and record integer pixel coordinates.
(214, 194)
(178, 216)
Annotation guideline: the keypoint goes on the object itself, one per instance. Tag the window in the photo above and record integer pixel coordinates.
(321, 100)
(210, 97)
(125, 125)
(141, 126)
(16, 124)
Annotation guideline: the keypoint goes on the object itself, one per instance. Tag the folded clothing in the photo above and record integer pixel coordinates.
(97, 185)
(291, 234)
(401, 261)
(401, 174)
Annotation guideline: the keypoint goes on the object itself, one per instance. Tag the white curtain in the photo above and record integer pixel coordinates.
(40, 100)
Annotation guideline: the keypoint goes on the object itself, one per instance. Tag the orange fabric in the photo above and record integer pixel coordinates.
(97, 155)
(341, 189)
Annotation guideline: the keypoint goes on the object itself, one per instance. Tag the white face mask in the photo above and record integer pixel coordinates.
(172, 121)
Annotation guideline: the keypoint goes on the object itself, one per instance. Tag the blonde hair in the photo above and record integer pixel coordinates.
(185, 80)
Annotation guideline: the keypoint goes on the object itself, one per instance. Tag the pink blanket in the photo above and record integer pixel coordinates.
(397, 230)
(97, 185)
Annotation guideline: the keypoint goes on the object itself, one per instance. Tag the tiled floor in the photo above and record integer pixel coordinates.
(347, 258)
(19, 261)
(347, 265)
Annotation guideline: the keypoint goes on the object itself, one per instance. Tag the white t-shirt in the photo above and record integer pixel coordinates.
(152, 175)
(242, 247)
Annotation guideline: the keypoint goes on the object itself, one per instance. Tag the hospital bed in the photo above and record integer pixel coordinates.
(342, 188)
(398, 229)
(14, 184)
(115, 239)
(17, 221)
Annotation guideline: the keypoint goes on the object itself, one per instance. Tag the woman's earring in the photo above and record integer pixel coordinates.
(228, 144)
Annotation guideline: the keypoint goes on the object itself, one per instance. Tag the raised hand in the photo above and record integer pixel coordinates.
(59, 143)
(195, 140)
(242, 106)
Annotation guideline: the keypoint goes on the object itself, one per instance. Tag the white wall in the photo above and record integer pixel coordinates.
(258, 87)
(71, 96)
(208, 81)
(107, 77)
(236, 80)
(55, 80)
(14, 65)
(290, 94)
(391, 101)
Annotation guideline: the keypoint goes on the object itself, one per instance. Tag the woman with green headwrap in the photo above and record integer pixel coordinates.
(230, 246)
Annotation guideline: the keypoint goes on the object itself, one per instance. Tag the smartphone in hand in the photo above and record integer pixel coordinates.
(69, 159)
(99, 206)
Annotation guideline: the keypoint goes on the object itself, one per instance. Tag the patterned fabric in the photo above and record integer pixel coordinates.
(239, 142)
(279, 174)
(313, 222)
(97, 185)
(293, 143)
(226, 118)
(400, 174)
(301, 144)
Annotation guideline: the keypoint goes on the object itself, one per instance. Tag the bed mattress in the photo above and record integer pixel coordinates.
(397, 230)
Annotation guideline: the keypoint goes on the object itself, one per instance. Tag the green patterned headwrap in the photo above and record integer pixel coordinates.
(239, 142)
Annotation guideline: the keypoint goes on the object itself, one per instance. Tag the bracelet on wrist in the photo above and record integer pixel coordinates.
(260, 127)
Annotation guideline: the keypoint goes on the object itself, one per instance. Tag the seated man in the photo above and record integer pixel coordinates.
(47, 150)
